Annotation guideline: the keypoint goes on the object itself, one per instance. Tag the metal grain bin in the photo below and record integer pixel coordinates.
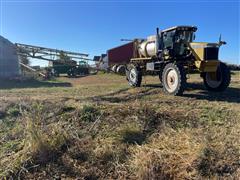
(9, 64)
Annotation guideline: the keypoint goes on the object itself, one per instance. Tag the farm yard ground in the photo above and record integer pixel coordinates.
(97, 127)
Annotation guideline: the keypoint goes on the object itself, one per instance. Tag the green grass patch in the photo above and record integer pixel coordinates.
(89, 113)
(215, 115)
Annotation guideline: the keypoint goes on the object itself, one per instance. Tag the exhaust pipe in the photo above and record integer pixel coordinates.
(157, 41)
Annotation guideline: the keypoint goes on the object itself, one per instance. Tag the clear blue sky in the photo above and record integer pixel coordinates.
(95, 26)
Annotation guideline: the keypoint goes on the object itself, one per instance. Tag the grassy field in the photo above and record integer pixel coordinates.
(97, 127)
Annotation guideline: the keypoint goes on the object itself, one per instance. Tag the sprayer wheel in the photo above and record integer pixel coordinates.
(220, 82)
(134, 75)
(174, 79)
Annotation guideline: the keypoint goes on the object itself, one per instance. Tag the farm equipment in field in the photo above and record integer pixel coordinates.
(69, 67)
(172, 54)
(67, 64)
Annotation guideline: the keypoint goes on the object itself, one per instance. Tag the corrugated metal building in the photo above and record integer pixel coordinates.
(9, 63)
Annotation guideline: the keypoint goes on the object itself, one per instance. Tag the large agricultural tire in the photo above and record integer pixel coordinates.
(222, 81)
(134, 75)
(174, 79)
(121, 70)
(72, 73)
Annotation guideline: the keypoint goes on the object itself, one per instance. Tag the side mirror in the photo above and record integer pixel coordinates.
(222, 43)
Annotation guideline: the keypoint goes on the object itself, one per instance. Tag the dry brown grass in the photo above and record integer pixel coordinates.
(188, 154)
(99, 128)
(169, 155)
(38, 143)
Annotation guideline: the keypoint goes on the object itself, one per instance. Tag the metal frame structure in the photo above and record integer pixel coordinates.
(48, 54)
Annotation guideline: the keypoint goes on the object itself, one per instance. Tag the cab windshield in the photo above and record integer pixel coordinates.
(184, 35)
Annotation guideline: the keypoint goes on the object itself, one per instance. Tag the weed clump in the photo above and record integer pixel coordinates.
(215, 116)
(42, 141)
(89, 113)
(13, 111)
(40, 144)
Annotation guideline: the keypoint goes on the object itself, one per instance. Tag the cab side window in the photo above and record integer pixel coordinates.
(168, 39)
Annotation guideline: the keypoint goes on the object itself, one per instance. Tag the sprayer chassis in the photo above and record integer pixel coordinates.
(173, 62)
